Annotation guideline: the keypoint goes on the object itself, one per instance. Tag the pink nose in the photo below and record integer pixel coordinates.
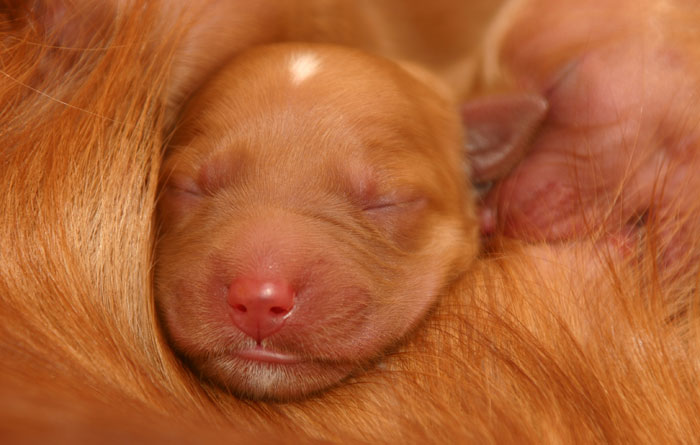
(260, 306)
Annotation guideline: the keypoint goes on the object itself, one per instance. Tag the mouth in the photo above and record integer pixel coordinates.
(261, 355)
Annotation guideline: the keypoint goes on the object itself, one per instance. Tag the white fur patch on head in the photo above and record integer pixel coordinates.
(302, 66)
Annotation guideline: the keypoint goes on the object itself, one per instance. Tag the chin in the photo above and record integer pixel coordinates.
(282, 378)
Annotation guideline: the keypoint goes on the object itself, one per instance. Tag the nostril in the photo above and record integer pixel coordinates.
(240, 308)
(276, 310)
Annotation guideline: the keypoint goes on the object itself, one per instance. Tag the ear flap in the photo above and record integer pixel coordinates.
(499, 130)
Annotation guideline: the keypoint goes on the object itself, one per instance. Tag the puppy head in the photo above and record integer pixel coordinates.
(313, 209)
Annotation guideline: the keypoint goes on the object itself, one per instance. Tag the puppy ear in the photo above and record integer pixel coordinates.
(499, 129)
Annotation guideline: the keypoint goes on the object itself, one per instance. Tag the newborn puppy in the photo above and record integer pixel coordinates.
(313, 209)
(619, 144)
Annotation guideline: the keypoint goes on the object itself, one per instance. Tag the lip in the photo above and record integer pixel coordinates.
(260, 354)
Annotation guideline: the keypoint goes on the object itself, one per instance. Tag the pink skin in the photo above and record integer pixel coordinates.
(259, 307)
(620, 137)
(307, 227)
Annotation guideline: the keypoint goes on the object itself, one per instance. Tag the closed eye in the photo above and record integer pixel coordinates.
(380, 205)
(185, 186)
(388, 204)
